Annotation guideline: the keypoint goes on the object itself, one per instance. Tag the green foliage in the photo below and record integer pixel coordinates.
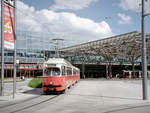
(36, 83)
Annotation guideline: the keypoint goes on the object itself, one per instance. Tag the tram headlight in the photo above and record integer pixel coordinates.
(50, 83)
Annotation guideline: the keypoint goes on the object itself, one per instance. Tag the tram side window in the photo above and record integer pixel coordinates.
(74, 72)
(69, 71)
(63, 71)
(135, 73)
(78, 72)
(126, 73)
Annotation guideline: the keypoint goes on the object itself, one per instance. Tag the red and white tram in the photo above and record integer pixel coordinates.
(58, 75)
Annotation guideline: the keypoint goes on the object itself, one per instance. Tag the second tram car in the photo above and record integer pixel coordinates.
(131, 74)
(58, 75)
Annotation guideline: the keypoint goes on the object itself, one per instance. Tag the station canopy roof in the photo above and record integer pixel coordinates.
(124, 45)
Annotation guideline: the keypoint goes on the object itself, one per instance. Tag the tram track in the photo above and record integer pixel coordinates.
(27, 104)
(18, 102)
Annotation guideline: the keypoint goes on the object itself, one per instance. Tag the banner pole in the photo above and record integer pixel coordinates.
(14, 77)
(2, 47)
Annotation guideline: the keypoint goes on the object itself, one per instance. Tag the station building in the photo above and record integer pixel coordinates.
(111, 56)
(101, 58)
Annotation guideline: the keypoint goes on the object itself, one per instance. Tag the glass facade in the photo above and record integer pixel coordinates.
(31, 47)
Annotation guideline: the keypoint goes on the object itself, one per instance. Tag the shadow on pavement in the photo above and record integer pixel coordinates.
(36, 91)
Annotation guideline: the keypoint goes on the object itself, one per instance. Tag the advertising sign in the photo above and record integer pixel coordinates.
(9, 26)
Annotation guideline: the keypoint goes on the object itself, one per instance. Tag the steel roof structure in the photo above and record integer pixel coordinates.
(122, 46)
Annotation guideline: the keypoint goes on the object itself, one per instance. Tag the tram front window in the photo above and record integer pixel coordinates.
(52, 72)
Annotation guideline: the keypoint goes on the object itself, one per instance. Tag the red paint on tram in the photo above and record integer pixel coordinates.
(66, 76)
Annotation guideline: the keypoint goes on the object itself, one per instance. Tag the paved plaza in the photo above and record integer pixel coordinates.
(87, 96)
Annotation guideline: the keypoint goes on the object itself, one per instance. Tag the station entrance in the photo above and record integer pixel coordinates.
(101, 71)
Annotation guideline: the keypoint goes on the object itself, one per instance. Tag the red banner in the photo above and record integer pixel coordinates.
(9, 26)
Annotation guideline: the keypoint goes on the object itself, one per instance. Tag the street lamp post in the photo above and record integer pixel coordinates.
(144, 56)
(56, 44)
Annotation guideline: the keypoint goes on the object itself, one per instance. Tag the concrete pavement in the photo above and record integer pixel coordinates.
(91, 96)
(21, 89)
(98, 96)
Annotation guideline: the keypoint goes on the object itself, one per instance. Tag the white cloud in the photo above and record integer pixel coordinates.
(133, 5)
(71, 4)
(68, 25)
(130, 4)
(125, 19)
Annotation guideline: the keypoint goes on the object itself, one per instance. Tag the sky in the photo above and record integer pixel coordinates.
(82, 21)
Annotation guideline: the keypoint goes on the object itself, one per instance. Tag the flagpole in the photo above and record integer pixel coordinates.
(2, 48)
(14, 77)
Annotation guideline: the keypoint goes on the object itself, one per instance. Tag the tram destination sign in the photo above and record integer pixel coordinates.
(50, 65)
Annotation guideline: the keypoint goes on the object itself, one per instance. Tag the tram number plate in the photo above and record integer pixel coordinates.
(51, 89)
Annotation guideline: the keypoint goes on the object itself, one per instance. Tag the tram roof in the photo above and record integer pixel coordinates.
(57, 61)
(128, 44)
